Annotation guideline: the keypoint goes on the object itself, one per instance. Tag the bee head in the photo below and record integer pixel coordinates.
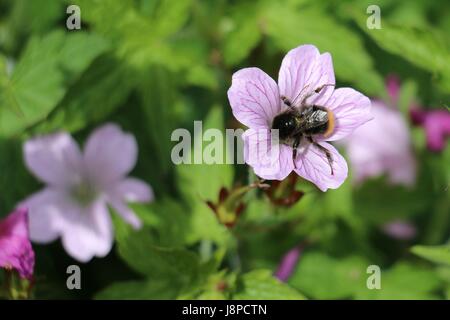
(285, 123)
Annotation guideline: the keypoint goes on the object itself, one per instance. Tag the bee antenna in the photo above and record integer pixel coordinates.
(299, 94)
(323, 86)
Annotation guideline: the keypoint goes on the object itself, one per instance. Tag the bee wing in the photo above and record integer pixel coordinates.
(313, 117)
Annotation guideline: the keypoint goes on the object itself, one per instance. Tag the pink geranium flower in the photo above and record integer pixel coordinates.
(305, 76)
(73, 205)
(15, 247)
(383, 146)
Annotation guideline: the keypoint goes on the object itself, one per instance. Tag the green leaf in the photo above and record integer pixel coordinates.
(245, 32)
(169, 16)
(138, 290)
(90, 100)
(404, 281)
(379, 202)
(261, 285)
(201, 182)
(158, 92)
(423, 47)
(351, 61)
(140, 250)
(436, 254)
(39, 79)
(322, 277)
(204, 181)
(168, 220)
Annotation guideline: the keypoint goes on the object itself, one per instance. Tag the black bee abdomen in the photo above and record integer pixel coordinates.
(286, 124)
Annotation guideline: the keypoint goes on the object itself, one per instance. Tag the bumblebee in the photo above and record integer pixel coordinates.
(302, 121)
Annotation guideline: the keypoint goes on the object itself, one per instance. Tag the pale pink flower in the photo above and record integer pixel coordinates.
(15, 247)
(80, 186)
(255, 99)
(383, 146)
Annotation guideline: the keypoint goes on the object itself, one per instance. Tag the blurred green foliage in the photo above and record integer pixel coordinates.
(156, 65)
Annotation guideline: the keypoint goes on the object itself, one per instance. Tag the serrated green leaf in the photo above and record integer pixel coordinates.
(40, 78)
(423, 47)
(90, 100)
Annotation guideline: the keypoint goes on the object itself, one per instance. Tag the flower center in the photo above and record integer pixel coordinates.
(84, 193)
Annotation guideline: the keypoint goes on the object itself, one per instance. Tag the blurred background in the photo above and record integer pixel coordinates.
(152, 66)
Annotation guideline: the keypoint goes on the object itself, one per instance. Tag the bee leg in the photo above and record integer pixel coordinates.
(297, 141)
(326, 151)
(317, 90)
(286, 101)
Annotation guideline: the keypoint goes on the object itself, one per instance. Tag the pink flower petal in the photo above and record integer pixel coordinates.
(126, 213)
(254, 98)
(351, 109)
(109, 154)
(15, 247)
(303, 71)
(437, 129)
(269, 159)
(382, 145)
(54, 159)
(90, 233)
(46, 214)
(134, 190)
(312, 165)
(288, 264)
(129, 190)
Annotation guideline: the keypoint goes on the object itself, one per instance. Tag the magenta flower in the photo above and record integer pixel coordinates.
(73, 205)
(436, 124)
(382, 146)
(288, 263)
(305, 85)
(15, 247)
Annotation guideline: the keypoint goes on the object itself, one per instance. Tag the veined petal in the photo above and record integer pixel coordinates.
(303, 70)
(351, 109)
(268, 158)
(254, 98)
(54, 159)
(312, 165)
(109, 154)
